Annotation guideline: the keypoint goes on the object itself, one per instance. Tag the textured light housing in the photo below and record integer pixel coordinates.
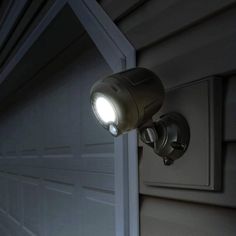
(134, 96)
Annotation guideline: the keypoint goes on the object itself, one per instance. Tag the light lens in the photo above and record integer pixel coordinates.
(105, 110)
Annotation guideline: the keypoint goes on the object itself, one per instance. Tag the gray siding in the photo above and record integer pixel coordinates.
(165, 217)
(118, 9)
(184, 41)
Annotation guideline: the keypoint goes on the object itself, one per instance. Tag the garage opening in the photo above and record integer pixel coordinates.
(57, 163)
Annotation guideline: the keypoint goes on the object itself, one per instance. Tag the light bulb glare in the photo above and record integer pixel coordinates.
(105, 110)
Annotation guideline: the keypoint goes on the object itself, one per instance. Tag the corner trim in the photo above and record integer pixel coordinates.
(120, 55)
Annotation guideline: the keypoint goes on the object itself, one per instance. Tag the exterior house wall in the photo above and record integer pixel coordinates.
(186, 41)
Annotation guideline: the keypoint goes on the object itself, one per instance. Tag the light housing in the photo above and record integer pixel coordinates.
(136, 95)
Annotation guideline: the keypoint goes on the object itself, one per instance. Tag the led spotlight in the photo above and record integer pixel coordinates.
(128, 100)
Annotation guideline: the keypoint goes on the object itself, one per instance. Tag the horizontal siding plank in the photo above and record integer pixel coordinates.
(117, 8)
(226, 197)
(24, 22)
(157, 20)
(52, 42)
(204, 50)
(25, 28)
(15, 11)
(230, 110)
(165, 217)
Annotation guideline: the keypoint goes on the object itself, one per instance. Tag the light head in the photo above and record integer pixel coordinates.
(126, 100)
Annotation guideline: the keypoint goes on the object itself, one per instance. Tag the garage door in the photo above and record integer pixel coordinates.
(56, 173)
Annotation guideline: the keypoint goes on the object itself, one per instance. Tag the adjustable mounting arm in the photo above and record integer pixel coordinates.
(169, 137)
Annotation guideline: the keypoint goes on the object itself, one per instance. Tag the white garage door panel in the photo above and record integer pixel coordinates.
(94, 220)
(4, 231)
(59, 209)
(98, 162)
(57, 163)
(3, 193)
(14, 209)
(31, 205)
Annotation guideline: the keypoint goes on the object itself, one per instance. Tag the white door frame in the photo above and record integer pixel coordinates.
(120, 55)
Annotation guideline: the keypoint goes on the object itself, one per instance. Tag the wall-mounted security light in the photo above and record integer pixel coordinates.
(128, 100)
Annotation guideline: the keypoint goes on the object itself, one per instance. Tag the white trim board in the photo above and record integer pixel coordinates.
(120, 55)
